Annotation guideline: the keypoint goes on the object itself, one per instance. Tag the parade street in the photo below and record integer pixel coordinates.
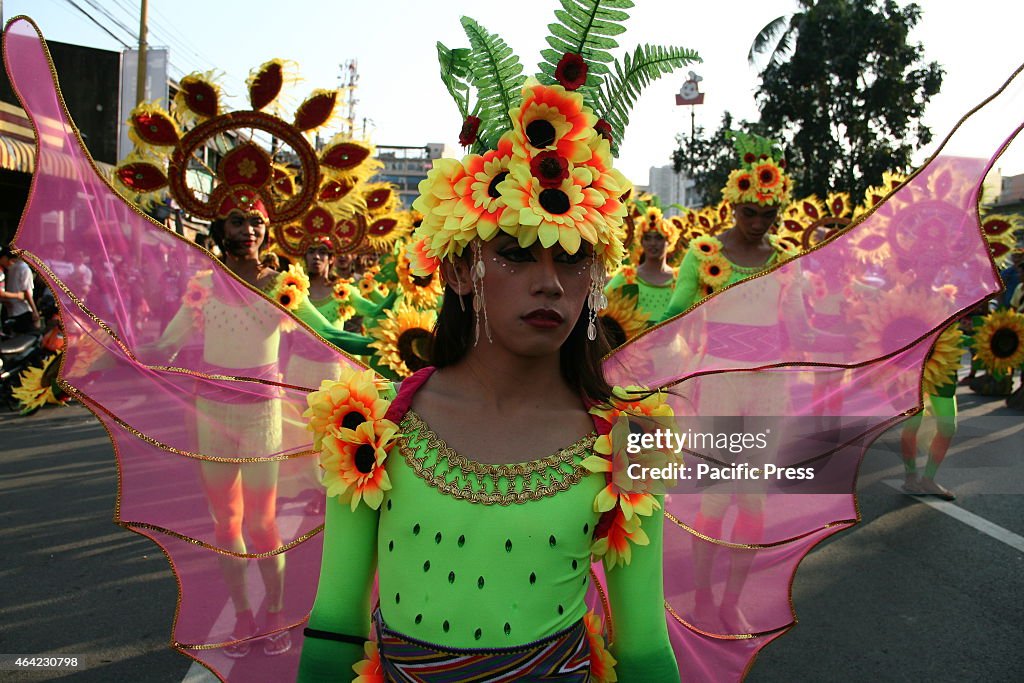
(919, 590)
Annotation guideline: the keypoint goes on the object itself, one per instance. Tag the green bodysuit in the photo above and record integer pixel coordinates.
(652, 299)
(689, 289)
(471, 555)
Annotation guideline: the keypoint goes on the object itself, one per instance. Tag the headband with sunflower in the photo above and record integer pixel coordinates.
(761, 177)
(542, 147)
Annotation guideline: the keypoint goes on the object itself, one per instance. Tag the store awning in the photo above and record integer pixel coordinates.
(17, 155)
(20, 156)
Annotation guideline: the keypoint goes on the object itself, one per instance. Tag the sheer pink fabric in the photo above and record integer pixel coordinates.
(194, 378)
(731, 550)
(191, 376)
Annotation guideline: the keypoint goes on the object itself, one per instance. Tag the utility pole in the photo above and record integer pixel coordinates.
(140, 80)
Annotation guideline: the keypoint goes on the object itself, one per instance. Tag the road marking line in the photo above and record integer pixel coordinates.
(969, 518)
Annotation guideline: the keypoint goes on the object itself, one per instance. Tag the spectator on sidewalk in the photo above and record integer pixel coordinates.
(16, 292)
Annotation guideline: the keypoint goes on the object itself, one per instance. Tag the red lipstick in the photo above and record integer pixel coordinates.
(543, 318)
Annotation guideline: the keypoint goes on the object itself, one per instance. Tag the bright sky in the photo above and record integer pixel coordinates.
(401, 96)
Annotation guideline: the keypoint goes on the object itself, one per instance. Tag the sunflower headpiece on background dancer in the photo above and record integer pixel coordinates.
(248, 178)
(761, 177)
(542, 147)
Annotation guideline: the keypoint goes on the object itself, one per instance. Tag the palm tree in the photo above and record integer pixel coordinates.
(779, 36)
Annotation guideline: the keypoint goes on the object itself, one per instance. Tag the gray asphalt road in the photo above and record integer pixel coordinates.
(910, 594)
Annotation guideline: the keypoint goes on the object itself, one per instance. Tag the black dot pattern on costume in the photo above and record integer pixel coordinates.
(391, 546)
(416, 530)
(561, 610)
(477, 634)
(426, 566)
(419, 618)
(508, 545)
(462, 541)
(575, 564)
(451, 577)
(533, 578)
(480, 582)
(437, 537)
(552, 541)
(398, 598)
(586, 528)
(446, 626)
(508, 629)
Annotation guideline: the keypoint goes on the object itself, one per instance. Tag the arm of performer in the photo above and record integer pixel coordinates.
(341, 611)
(685, 288)
(614, 283)
(637, 595)
(349, 342)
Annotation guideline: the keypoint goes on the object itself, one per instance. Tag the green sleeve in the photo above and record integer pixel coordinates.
(363, 307)
(686, 286)
(614, 283)
(637, 595)
(342, 602)
(349, 342)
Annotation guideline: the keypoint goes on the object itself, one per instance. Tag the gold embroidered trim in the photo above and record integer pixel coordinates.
(448, 459)
(722, 636)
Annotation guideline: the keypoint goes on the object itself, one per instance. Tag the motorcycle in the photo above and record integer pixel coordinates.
(19, 351)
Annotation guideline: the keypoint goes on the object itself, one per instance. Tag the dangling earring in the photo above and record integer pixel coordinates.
(458, 281)
(596, 299)
(479, 304)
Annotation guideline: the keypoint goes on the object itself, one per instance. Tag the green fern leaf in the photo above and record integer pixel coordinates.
(622, 87)
(587, 28)
(497, 74)
(455, 75)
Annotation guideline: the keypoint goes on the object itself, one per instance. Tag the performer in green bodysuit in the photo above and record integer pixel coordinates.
(757, 191)
(479, 496)
(652, 276)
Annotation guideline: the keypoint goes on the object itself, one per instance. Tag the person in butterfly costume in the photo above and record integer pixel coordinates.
(158, 496)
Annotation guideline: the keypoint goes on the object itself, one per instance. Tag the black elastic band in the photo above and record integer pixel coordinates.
(331, 635)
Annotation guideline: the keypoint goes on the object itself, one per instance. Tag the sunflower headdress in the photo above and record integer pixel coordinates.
(542, 147)
(652, 218)
(761, 177)
(248, 178)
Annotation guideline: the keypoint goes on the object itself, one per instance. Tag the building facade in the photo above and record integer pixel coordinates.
(405, 167)
(671, 188)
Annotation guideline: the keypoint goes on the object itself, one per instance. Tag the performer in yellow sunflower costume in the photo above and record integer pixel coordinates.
(650, 280)
(757, 191)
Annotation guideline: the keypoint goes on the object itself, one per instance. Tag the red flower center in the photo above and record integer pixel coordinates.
(744, 184)
(549, 168)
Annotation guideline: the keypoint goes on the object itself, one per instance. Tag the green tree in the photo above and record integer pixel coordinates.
(846, 91)
(708, 159)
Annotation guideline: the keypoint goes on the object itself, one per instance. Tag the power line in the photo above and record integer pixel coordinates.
(103, 10)
(93, 20)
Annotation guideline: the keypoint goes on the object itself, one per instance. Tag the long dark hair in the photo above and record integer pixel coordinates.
(580, 358)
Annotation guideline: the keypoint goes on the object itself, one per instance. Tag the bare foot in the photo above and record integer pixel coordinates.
(928, 486)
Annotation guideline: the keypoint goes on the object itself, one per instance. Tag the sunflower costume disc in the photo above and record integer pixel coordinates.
(999, 342)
